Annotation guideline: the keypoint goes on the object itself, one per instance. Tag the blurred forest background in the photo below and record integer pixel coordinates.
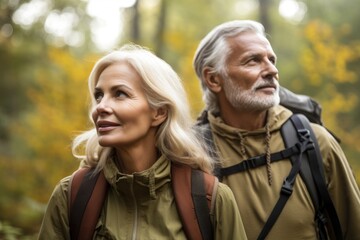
(48, 47)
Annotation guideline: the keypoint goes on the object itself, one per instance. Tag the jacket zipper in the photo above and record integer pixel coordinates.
(135, 223)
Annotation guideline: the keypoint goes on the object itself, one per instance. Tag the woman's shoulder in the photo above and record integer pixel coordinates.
(62, 189)
(224, 193)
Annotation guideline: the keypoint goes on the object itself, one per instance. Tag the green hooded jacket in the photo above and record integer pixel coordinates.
(256, 198)
(140, 206)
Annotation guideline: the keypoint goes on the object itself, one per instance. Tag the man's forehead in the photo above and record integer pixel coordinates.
(249, 42)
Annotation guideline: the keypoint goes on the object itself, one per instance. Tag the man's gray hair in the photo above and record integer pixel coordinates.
(213, 51)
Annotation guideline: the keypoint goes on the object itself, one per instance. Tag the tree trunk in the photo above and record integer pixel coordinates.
(159, 35)
(135, 31)
(264, 7)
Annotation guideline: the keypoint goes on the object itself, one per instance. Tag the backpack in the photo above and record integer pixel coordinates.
(305, 105)
(303, 150)
(192, 188)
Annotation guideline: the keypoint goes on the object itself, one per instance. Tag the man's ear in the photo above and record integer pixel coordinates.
(212, 80)
(160, 114)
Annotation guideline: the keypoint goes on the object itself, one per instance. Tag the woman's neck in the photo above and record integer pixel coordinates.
(139, 159)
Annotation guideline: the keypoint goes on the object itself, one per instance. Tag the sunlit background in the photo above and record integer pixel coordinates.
(48, 47)
(107, 19)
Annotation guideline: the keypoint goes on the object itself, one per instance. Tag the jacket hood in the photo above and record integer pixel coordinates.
(145, 183)
(277, 116)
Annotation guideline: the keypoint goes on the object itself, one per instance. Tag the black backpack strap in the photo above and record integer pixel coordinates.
(259, 161)
(316, 167)
(200, 200)
(287, 187)
(253, 162)
(289, 134)
(192, 190)
(88, 193)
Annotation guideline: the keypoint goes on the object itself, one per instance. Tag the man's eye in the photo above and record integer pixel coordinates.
(273, 60)
(253, 60)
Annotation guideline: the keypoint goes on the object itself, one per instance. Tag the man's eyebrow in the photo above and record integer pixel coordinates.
(251, 55)
(258, 54)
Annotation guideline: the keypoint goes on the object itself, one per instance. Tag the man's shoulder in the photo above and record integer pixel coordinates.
(278, 115)
(324, 137)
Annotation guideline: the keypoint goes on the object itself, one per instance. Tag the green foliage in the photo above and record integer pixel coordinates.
(326, 65)
(59, 112)
(8, 232)
(42, 137)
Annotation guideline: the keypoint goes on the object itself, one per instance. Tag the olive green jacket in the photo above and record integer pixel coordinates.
(141, 206)
(256, 198)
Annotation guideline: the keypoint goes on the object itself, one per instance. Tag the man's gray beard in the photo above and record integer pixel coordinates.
(242, 99)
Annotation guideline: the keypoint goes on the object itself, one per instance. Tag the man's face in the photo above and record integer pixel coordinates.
(251, 83)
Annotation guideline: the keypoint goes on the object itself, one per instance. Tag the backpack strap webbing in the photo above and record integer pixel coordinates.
(316, 166)
(253, 162)
(193, 207)
(287, 187)
(88, 192)
(289, 135)
(259, 161)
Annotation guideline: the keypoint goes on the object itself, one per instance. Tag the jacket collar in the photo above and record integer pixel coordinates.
(277, 116)
(145, 183)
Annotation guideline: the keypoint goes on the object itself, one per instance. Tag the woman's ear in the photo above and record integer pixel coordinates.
(212, 79)
(160, 114)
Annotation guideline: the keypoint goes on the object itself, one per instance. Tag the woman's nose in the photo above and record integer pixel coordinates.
(103, 107)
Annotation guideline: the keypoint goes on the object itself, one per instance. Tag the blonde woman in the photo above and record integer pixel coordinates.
(142, 126)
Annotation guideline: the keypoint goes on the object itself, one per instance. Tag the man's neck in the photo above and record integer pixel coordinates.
(247, 120)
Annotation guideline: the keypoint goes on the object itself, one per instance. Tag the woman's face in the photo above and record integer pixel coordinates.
(122, 115)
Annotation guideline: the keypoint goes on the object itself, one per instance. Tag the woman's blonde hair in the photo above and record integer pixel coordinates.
(175, 137)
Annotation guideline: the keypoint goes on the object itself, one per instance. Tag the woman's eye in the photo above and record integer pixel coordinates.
(120, 93)
(98, 96)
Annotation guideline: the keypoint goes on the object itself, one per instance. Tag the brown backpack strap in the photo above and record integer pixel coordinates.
(88, 193)
(193, 206)
(193, 190)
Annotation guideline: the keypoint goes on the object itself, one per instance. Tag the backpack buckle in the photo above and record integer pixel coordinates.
(304, 135)
(320, 217)
(251, 162)
(287, 188)
(306, 143)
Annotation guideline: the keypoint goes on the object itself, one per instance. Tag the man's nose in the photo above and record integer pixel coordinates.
(270, 70)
